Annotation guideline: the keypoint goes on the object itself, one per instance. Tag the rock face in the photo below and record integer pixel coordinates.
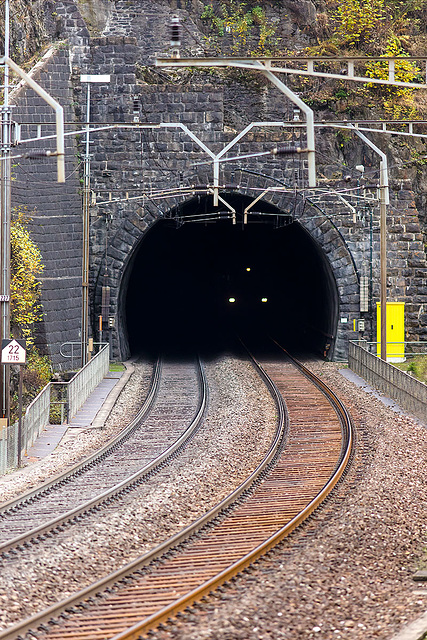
(185, 112)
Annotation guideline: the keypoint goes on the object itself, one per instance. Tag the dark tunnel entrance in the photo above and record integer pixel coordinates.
(196, 284)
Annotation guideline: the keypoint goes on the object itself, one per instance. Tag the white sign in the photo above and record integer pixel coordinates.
(4, 298)
(13, 352)
(94, 78)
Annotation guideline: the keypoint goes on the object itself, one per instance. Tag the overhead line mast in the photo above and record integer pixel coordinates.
(306, 66)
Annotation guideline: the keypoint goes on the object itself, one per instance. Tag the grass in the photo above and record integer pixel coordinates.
(416, 366)
(117, 366)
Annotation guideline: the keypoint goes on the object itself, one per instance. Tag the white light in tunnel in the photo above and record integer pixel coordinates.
(231, 299)
(264, 299)
(248, 268)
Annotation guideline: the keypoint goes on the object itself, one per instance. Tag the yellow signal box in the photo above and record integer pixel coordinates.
(395, 331)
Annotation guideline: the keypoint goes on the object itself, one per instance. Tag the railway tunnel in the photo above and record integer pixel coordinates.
(198, 283)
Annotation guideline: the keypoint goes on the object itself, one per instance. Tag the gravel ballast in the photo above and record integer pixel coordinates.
(83, 442)
(235, 436)
(347, 574)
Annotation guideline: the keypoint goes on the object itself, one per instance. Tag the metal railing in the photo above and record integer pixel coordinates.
(409, 393)
(33, 422)
(85, 381)
(73, 351)
(395, 349)
(70, 396)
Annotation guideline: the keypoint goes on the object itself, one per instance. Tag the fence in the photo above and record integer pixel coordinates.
(85, 381)
(409, 393)
(74, 393)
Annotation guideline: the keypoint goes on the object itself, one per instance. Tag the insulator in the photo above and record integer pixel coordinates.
(175, 32)
(286, 151)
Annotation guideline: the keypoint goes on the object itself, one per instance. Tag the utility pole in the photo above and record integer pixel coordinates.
(5, 195)
(5, 203)
(384, 201)
(86, 204)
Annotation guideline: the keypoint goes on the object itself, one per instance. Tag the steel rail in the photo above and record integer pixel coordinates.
(133, 570)
(94, 590)
(74, 515)
(90, 461)
(163, 615)
(347, 425)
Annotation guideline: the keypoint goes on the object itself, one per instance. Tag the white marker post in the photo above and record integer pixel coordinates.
(14, 352)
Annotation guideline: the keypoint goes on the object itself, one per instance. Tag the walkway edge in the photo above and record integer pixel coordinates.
(414, 631)
(110, 401)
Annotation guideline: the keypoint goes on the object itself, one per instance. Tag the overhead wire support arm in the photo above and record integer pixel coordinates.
(384, 202)
(260, 65)
(306, 66)
(59, 113)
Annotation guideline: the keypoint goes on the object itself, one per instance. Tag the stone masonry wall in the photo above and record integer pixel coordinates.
(54, 209)
(151, 159)
(131, 167)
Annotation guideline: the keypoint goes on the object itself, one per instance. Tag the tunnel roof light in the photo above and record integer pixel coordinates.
(248, 268)
(264, 299)
(231, 299)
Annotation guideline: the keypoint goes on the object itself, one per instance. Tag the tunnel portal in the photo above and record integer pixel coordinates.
(196, 284)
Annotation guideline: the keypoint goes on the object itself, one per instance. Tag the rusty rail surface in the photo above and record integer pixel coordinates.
(182, 570)
(33, 510)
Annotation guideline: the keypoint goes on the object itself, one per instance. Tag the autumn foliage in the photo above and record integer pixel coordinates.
(26, 266)
(25, 307)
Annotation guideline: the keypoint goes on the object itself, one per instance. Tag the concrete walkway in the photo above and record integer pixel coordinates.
(93, 413)
(360, 382)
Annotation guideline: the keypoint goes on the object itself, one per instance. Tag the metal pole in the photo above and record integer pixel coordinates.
(59, 114)
(383, 261)
(384, 201)
(85, 265)
(309, 121)
(5, 197)
(21, 376)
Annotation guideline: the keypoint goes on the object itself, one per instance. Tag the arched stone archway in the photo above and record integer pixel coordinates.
(319, 246)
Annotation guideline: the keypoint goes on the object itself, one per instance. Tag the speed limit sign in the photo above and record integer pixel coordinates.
(13, 352)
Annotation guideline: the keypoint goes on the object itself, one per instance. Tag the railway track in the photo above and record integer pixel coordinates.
(254, 518)
(166, 421)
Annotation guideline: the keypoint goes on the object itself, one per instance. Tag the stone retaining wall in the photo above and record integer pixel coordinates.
(55, 210)
(136, 161)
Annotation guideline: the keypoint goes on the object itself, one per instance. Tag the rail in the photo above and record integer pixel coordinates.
(395, 349)
(44, 620)
(73, 351)
(409, 393)
(124, 485)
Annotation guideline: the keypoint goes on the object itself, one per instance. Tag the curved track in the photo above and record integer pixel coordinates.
(169, 417)
(225, 541)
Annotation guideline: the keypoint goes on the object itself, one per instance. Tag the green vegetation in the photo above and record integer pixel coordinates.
(415, 365)
(376, 28)
(247, 28)
(25, 308)
(379, 28)
(26, 265)
(117, 366)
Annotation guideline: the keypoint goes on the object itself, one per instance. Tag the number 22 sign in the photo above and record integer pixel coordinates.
(13, 352)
